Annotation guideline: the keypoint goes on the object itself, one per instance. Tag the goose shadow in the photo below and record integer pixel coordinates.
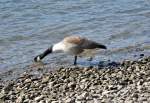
(100, 64)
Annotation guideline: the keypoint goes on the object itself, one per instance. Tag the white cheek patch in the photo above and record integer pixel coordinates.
(38, 58)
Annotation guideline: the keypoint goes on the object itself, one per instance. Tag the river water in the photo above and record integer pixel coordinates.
(28, 27)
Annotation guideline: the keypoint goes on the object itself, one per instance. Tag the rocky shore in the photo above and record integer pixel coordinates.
(128, 82)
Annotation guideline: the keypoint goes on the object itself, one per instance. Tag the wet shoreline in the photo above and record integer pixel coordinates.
(128, 81)
(49, 65)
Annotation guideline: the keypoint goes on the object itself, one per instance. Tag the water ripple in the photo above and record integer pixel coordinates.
(27, 27)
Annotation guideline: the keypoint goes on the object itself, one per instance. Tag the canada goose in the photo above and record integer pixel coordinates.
(74, 45)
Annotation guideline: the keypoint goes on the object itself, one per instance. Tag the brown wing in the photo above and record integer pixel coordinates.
(74, 40)
(88, 44)
(83, 42)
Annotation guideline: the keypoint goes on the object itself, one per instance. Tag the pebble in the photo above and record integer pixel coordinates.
(128, 83)
(78, 101)
(45, 79)
(69, 100)
(39, 98)
(71, 85)
(2, 94)
(96, 101)
(28, 81)
(26, 101)
(82, 86)
(82, 96)
(20, 99)
(55, 102)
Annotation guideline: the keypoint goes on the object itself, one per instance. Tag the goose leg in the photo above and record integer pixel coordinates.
(75, 60)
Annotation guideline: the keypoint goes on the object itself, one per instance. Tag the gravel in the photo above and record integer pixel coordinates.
(128, 82)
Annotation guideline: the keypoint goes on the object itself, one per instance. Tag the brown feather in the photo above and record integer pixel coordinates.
(74, 40)
(83, 42)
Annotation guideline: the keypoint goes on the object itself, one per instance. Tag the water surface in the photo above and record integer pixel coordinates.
(28, 27)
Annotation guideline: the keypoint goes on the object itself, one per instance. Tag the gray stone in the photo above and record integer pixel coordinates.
(28, 81)
(39, 98)
(42, 101)
(84, 80)
(96, 100)
(2, 94)
(82, 96)
(71, 85)
(45, 79)
(27, 101)
(69, 100)
(20, 99)
(55, 102)
(50, 84)
(78, 101)
(82, 86)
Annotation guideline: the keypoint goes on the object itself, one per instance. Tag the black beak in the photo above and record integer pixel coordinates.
(37, 58)
(45, 53)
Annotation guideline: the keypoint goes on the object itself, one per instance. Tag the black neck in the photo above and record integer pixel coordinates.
(46, 52)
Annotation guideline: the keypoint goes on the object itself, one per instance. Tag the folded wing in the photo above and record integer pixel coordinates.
(88, 44)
